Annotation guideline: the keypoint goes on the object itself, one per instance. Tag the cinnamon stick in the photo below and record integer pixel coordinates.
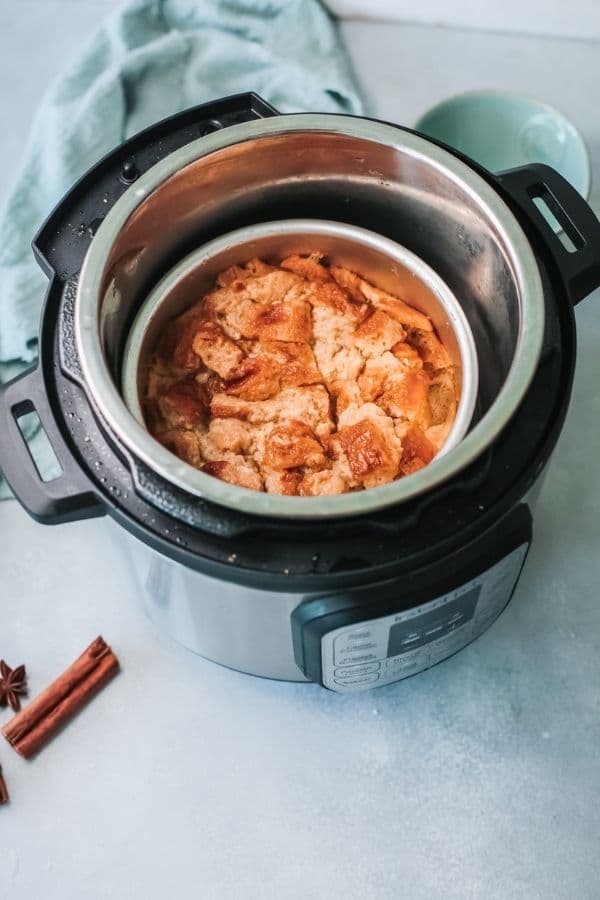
(4, 798)
(43, 718)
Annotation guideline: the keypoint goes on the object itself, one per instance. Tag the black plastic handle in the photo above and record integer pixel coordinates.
(66, 498)
(579, 265)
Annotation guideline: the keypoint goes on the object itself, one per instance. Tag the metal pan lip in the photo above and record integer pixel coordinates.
(106, 396)
(242, 237)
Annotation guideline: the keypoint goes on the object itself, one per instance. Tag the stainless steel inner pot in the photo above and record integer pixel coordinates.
(316, 166)
(382, 261)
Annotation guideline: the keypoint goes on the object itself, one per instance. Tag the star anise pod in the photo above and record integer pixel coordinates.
(13, 682)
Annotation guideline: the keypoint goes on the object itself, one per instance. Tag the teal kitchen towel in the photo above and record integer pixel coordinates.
(150, 59)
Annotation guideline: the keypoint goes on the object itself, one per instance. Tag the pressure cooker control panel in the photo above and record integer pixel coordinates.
(389, 648)
(411, 625)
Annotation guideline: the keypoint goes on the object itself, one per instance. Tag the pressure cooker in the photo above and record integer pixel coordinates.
(354, 591)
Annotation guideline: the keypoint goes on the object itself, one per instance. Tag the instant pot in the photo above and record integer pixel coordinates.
(355, 591)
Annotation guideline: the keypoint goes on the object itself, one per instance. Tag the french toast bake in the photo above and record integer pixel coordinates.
(302, 379)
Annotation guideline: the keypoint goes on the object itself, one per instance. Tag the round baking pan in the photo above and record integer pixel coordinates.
(380, 260)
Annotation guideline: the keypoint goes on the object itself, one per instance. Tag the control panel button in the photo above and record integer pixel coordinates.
(447, 644)
(358, 646)
(411, 639)
(358, 670)
(416, 660)
(358, 679)
(354, 659)
(362, 635)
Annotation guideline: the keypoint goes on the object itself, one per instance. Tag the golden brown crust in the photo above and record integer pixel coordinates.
(301, 379)
(371, 460)
(182, 404)
(291, 446)
(417, 451)
(216, 350)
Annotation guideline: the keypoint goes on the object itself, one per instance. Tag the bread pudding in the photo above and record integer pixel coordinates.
(302, 379)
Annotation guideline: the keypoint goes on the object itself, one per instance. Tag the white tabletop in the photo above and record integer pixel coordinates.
(479, 778)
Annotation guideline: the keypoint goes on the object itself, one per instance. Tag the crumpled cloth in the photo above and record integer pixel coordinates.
(148, 60)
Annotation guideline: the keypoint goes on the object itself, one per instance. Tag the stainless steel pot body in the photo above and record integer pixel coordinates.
(239, 627)
(243, 628)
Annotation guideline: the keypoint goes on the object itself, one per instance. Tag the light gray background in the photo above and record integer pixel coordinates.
(578, 18)
(478, 779)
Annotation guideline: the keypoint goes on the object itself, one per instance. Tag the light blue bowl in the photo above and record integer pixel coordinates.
(501, 130)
